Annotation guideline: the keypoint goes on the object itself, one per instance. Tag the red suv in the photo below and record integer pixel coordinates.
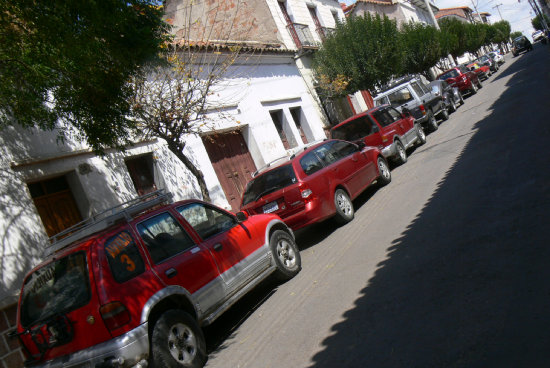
(383, 127)
(132, 287)
(316, 184)
(466, 80)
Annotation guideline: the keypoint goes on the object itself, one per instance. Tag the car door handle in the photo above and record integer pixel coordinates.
(171, 272)
(218, 247)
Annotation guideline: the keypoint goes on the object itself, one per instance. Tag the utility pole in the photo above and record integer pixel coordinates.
(539, 13)
(432, 16)
(498, 8)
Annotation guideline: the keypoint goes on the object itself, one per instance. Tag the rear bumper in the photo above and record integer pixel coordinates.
(123, 351)
(314, 211)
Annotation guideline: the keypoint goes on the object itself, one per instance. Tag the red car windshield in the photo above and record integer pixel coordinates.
(269, 182)
(57, 288)
(450, 74)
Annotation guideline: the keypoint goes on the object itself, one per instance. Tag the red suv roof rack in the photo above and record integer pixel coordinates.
(124, 211)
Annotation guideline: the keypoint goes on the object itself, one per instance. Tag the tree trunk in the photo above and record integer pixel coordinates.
(194, 170)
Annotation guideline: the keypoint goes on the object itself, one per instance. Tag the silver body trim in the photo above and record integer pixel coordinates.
(133, 347)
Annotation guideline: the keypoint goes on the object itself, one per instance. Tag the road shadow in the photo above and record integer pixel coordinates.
(466, 284)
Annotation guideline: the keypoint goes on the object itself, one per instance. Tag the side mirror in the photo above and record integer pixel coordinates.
(361, 144)
(241, 216)
(405, 113)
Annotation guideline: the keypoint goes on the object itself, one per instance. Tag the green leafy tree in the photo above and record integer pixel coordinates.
(360, 54)
(423, 45)
(501, 32)
(537, 22)
(71, 61)
(515, 34)
(461, 35)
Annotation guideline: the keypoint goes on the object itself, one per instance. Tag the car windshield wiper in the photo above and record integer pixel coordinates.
(267, 191)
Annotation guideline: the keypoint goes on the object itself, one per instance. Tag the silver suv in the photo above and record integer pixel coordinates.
(413, 95)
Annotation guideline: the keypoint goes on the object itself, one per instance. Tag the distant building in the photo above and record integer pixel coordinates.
(462, 13)
(400, 10)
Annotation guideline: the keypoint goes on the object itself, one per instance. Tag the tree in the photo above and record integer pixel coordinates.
(180, 98)
(460, 32)
(537, 22)
(70, 61)
(423, 46)
(515, 34)
(363, 52)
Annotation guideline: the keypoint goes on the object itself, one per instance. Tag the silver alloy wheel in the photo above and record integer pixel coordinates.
(384, 170)
(182, 343)
(344, 204)
(286, 254)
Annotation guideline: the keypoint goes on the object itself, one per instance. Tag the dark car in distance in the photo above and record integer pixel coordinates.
(450, 95)
(520, 44)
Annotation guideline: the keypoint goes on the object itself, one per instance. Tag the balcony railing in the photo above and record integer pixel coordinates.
(302, 36)
(324, 32)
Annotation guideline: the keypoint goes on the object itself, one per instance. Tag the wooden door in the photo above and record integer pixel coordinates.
(58, 211)
(232, 163)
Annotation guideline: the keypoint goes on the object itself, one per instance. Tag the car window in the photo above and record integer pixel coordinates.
(355, 129)
(310, 163)
(325, 153)
(383, 117)
(164, 237)
(268, 182)
(207, 221)
(417, 89)
(382, 101)
(400, 97)
(55, 289)
(450, 74)
(394, 114)
(344, 149)
(123, 257)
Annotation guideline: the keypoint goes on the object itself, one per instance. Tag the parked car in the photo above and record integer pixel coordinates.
(451, 95)
(497, 57)
(413, 95)
(538, 35)
(318, 183)
(489, 61)
(385, 128)
(520, 44)
(461, 77)
(137, 283)
(483, 71)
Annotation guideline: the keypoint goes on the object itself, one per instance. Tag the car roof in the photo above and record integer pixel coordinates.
(364, 113)
(389, 87)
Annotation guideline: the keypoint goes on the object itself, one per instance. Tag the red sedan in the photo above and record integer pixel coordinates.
(318, 183)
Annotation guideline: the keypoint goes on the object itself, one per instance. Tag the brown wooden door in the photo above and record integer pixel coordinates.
(232, 163)
(58, 211)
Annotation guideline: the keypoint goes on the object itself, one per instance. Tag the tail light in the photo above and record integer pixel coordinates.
(114, 315)
(464, 78)
(422, 109)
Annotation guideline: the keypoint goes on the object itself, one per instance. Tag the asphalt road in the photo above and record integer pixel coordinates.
(448, 266)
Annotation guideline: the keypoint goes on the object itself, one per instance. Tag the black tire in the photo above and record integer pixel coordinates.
(344, 207)
(285, 254)
(461, 99)
(432, 123)
(177, 341)
(444, 114)
(473, 90)
(420, 135)
(401, 156)
(453, 105)
(384, 173)
(479, 85)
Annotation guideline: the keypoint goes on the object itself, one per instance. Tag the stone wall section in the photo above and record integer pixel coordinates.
(11, 354)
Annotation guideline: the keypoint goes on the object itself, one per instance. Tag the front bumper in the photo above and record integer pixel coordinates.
(124, 351)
